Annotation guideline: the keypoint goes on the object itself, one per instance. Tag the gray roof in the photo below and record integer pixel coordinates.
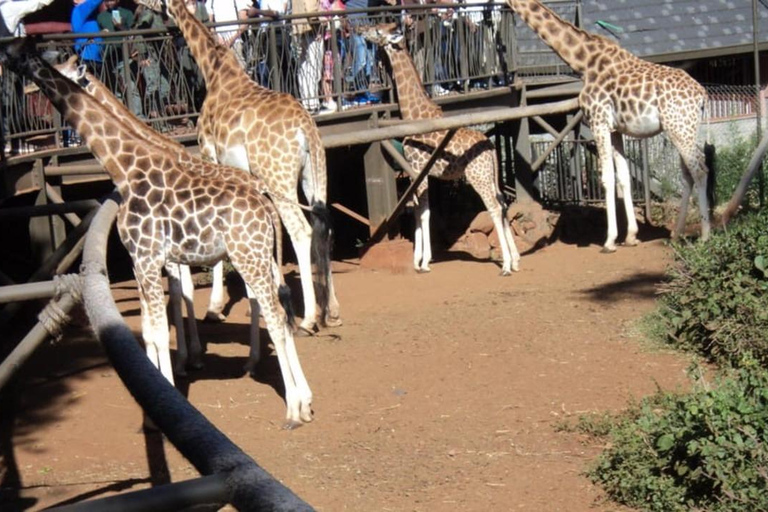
(654, 27)
(659, 27)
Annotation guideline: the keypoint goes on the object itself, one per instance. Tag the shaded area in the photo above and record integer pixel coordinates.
(642, 285)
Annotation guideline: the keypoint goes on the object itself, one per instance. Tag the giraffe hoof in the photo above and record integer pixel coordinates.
(608, 250)
(292, 425)
(631, 242)
(505, 273)
(333, 321)
(425, 270)
(304, 332)
(213, 317)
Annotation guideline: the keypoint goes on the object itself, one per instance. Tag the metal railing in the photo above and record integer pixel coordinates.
(570, 174)
(457, 48)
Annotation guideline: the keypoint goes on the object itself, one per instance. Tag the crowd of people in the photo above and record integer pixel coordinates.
(302, 55)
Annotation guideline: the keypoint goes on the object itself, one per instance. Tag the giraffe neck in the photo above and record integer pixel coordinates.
(577, 47)
(213, 59)
(104, 96)
(411, 96)
(102, 133)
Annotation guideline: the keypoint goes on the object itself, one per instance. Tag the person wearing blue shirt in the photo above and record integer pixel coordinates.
(83, 21)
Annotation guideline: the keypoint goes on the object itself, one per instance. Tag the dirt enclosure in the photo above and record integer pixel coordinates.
(441, 391)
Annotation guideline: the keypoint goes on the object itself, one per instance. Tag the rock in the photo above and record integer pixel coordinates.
(493, 240)
(477, 245)
(482, 223)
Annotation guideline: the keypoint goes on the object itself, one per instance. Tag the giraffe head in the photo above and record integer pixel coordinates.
(72, 70)
(383, 35)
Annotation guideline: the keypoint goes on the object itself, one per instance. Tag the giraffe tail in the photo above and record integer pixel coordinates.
(322, 242)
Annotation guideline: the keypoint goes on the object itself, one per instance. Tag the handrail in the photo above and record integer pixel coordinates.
(452, 59)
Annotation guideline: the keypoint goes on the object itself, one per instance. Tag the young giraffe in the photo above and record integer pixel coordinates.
(269, 133)
(625, 95)
(180, 278)
(469, 153)
(179, 210)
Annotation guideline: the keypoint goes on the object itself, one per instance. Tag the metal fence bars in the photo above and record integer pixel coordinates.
(457, 48)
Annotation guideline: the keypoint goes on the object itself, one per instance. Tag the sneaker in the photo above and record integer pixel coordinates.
(329, 107)
(439, 90)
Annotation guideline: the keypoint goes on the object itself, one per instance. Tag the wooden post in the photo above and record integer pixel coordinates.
(380, 186)
(378, 234)
(48, 232)
(524, 177)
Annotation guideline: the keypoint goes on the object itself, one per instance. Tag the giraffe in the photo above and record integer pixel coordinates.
(469, 153)
(181, 287)
(625, 95)
(269, 133)
(184, 212)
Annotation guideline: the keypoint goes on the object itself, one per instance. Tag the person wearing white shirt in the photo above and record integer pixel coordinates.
(12, 12)
(229, 35)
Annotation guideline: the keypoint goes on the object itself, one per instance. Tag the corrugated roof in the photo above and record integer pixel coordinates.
(654, 27)
(658, 27)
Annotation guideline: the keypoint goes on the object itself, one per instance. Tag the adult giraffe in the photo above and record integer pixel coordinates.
(625, 95)
(270, 134)
(183, 212)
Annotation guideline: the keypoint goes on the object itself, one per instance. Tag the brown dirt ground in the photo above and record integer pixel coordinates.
(441, 391)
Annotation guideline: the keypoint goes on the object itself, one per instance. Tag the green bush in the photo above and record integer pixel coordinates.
(706, 450)
(715, 302)
(730, 164)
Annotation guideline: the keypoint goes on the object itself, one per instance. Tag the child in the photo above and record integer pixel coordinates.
(334, 26)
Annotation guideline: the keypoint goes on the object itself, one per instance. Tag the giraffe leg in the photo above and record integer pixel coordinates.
(333, 318)
(315, 185)
(685, 198)
(605, 160)
(154, 322)
(482, 175)
(196, 349)
(298, 396)
(624, 187)
(174, 290)
(216, 304)
(254, 354)
(301, 236)
(422, 246)
(694, 174)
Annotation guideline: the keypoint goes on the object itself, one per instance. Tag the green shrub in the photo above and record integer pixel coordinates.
(730, 164)
(706, 450)
(715, 302)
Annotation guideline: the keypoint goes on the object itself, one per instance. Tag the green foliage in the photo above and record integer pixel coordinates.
(706, 450)
(715, 302)
(730, 164)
